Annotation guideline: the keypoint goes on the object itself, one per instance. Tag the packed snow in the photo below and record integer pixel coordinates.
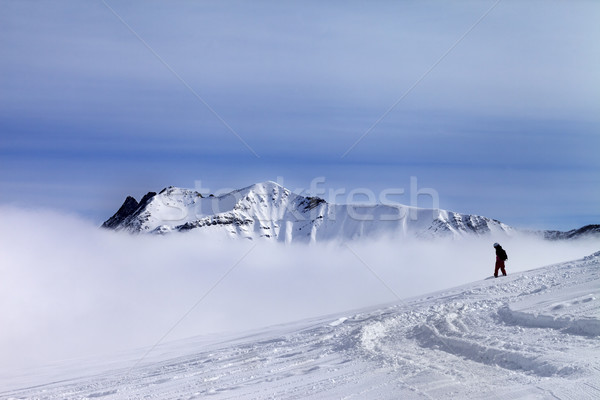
(533, 334)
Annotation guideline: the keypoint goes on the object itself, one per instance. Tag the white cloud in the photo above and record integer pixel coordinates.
(69, 289)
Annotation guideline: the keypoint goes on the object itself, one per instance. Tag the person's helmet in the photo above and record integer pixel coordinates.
(496, 245)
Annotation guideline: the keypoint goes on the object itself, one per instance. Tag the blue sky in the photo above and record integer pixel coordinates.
(507, 125)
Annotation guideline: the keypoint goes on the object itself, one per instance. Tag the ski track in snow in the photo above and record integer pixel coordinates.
(534, 335)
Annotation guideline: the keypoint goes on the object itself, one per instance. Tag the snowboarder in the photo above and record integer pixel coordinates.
(501, 256)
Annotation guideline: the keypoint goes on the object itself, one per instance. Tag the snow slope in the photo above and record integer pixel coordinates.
(534, 334)
(269, 210)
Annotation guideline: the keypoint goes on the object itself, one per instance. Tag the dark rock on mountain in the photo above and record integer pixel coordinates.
(128, 208)
(585, 231)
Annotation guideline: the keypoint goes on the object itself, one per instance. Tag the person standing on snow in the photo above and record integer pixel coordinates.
(501, 256)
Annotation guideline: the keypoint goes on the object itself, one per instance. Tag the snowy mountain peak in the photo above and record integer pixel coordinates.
(269, 210)
(175, 191)
(264, 191)
(265, 187)
(261, 192)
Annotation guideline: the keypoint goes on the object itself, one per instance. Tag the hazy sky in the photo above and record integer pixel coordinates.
(506, 125)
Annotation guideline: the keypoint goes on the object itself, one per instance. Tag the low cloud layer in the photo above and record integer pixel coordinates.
(69, 289)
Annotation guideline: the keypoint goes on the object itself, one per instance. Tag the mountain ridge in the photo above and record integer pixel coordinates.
(269, 210)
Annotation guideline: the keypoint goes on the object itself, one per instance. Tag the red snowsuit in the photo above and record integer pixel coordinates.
(499, 266)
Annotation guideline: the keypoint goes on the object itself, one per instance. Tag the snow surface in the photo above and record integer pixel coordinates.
(533, 334)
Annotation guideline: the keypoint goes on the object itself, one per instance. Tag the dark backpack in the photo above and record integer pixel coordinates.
(503, 255)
